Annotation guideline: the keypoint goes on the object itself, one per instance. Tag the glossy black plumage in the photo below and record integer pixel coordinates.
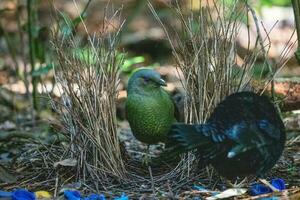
(244, 135)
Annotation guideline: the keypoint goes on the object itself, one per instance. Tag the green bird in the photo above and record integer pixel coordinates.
(149, 108)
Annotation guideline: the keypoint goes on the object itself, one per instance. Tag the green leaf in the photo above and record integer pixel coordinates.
(276, 2)
(260, 70)
(78, 20)
(129, 62)
(42, 70)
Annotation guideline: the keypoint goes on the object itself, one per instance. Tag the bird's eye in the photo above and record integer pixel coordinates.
(146, 80)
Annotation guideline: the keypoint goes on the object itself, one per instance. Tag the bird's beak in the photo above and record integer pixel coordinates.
(162, 82)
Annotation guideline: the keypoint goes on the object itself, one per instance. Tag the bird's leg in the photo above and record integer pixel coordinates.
(146, 157)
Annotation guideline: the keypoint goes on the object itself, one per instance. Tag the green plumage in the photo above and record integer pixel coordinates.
(149, 108)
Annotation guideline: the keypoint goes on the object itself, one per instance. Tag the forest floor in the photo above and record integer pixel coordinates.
(19, 132)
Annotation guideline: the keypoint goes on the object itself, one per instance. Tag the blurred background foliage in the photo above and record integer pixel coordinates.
(274, 3)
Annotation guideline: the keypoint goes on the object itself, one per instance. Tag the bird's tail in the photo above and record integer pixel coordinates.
(185, 137)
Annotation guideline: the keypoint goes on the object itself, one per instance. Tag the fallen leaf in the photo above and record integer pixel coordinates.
(228, 193)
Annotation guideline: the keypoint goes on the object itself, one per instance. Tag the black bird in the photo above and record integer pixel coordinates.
(243, 136)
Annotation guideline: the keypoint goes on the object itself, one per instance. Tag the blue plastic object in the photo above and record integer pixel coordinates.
(22, 194)
(122, 197)
(278, 183)
(258, 189)
(5, 194)
(75, 195)
(72, 195)
(19, 194)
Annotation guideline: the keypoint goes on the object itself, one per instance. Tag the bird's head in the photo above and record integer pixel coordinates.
(145, 79)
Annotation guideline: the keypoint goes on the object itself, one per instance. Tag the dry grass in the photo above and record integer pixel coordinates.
(88, 77)
(205, 50)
